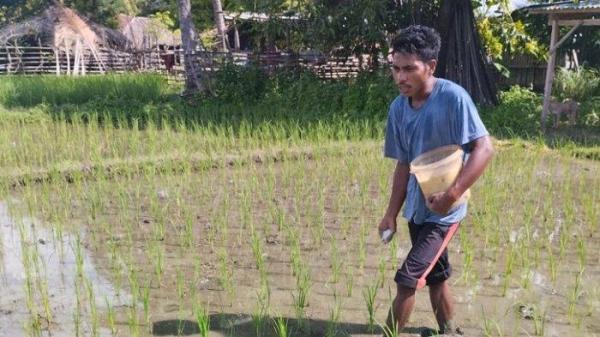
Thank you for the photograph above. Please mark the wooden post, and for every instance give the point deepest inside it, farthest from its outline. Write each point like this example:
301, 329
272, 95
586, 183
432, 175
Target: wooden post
68, 53
550, 70
82, 62
236, 36
57, 59
9, 59
77, 58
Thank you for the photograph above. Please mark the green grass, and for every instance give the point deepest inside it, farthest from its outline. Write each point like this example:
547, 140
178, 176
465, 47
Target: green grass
30, 91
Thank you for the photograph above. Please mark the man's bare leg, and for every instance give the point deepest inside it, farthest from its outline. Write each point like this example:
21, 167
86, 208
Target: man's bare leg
402, 306
443, 306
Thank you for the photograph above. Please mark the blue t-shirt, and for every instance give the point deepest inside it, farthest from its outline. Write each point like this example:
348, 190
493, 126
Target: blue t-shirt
447, 117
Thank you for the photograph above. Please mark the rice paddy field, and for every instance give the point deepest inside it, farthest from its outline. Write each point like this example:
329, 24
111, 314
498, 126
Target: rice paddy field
266, 227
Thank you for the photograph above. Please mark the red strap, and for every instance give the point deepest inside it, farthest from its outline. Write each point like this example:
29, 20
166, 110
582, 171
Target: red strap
421, 282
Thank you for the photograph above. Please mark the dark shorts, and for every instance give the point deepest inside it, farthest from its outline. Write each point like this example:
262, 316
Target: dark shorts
427, 262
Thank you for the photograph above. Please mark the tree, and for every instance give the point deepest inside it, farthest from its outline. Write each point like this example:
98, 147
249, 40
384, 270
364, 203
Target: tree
12, 11
220, 23
461, 58
193, 80
504, 33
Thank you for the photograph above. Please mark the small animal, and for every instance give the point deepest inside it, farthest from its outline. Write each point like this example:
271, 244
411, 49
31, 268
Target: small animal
569, 108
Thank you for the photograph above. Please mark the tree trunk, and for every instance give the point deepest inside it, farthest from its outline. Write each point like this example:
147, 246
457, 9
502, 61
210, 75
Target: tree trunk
193, 83
461, 57
220, 21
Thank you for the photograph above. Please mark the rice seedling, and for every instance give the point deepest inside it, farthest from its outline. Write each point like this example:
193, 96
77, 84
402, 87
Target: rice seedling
225, 273
280, 325
332, 328
295, 258
539, 321
146, 305
318, 217
349, 281
257, 250
188, 236
575, 294
156, 251
335, 262
369, 295
77, 319
581, 253
390, 328
181, 315
390, 331
303, 285
91, 298
491, 327
29, 257
552, 264
180, 285
259, 319
508, 269
134, 285
381, 269
78, 249
132, 321
362, 245
42, 285
110, 317
202, 318
563, 242
591, 212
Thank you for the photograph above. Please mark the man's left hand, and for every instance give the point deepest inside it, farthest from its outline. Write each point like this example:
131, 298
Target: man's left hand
440, 202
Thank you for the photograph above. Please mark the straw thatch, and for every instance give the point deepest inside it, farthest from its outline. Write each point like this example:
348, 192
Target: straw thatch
61, 27
68, 33
146, 33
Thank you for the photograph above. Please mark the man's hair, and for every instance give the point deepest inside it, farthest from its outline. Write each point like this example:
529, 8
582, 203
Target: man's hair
422, 41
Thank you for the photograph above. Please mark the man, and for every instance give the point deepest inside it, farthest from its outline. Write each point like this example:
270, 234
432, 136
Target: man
430, 112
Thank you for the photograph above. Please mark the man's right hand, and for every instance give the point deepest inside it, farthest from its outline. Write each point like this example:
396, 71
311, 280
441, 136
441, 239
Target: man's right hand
388, 222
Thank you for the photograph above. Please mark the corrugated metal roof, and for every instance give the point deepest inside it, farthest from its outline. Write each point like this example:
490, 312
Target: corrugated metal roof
565, 6
254, 16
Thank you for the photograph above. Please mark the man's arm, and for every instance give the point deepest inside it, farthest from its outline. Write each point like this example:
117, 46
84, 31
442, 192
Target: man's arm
400, 183
480, 156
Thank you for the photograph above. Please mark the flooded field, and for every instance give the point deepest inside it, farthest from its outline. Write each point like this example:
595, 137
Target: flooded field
290, 248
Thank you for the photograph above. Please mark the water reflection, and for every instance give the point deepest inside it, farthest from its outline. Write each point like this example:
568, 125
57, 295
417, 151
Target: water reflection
55, 273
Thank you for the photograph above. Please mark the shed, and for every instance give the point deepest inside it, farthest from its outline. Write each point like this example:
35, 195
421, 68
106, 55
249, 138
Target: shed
565, 13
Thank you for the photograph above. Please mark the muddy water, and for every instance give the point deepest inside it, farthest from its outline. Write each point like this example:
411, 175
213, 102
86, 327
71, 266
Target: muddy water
57, 267
213, 203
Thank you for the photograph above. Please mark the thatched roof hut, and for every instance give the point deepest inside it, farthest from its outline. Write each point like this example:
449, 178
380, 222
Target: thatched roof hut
66, 32
61, 27
146, 33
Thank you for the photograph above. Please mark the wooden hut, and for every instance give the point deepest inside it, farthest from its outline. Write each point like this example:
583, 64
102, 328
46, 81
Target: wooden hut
572, 14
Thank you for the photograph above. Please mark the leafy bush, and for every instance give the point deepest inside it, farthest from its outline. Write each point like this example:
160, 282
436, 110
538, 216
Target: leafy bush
240, 84
579, 85
590, 112
298, 92
517, 114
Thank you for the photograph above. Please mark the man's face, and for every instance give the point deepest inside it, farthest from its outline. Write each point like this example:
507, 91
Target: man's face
410, 73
